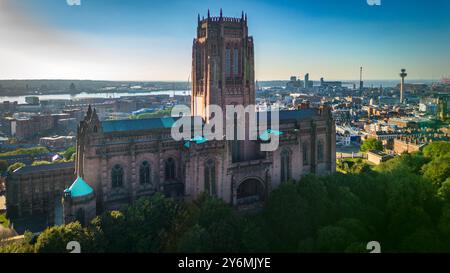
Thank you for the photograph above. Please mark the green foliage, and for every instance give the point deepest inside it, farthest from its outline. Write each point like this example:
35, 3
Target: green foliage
334, 239
437, 149
195, 240
3, 166
437, 167
141, 227
444, 191
371, 144
67, 154
437, 170
26, 151
15, 166
307, 201
403, 203
411, 163
4, 221
55, 239
110, 231
157, 114
215, 224
42, 162
19, 246
354, 166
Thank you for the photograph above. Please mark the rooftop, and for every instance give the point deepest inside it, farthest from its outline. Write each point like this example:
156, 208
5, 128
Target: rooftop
10, 157
79, 188
110, 126
44, 168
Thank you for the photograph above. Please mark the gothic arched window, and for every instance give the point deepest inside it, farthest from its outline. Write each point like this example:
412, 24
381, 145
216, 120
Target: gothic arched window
236, 62
228, 62
320, 151
305, 149
170, 169
145, 173
117, 176
285, 166
210, 177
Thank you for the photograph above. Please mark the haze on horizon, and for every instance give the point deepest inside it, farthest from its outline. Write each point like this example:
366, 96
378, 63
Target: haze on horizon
151, 40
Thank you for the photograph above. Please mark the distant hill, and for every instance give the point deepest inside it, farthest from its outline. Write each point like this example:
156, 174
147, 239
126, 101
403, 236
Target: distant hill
29, 87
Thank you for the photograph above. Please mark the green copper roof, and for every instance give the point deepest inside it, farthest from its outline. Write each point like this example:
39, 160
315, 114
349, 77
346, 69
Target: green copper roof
79, 188
137, 124
266, 134
110, 126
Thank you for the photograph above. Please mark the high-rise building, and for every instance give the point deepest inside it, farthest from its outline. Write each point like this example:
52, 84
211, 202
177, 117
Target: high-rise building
361, 82
307, 80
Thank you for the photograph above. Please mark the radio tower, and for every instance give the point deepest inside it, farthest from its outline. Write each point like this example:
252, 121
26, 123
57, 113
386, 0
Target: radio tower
361, 83
403, 75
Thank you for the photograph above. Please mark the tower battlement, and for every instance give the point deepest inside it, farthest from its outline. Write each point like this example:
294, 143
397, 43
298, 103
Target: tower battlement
218, 19
221, 18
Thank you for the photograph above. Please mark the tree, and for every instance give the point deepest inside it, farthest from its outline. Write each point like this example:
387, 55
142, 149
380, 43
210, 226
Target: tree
67, 154
437, 170
55, 239
3, 166
444, 191
15, 166
424, 240
195, 240
23, 151
22, 246
371, 144
437, 149
149, 222
157, 114
254, 239
110, 232
306, 200
334, 239
41, 162
221, 225
410, 163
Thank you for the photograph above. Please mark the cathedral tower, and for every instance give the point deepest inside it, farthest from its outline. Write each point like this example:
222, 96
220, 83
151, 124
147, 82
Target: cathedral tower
222, 64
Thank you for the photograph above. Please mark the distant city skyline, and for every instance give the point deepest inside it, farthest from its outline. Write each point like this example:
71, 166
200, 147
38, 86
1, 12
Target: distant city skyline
152, 40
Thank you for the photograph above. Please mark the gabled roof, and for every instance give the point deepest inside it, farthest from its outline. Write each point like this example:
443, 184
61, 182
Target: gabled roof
44, 168
79, 188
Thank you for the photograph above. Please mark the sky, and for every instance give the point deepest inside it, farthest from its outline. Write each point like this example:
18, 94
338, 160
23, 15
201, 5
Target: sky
150, 40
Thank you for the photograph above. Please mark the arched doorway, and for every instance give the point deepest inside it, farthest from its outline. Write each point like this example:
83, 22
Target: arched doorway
250, 191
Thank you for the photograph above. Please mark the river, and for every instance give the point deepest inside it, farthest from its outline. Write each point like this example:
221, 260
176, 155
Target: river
21, 99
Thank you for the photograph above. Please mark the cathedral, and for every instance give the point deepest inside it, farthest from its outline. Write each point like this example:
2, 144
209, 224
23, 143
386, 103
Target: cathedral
119, 161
